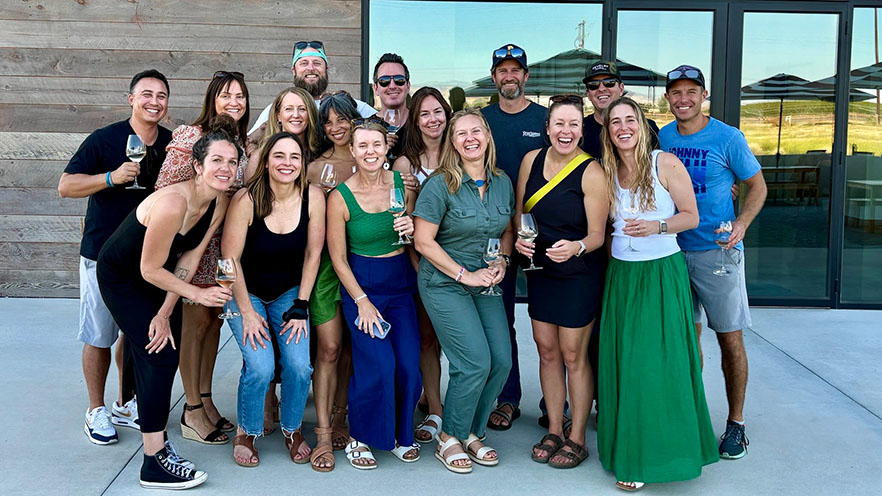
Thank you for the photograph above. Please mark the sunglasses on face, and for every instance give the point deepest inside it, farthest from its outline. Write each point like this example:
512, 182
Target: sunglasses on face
566, 99
398, 79
688, 73
607, 83
514, 52
223, 74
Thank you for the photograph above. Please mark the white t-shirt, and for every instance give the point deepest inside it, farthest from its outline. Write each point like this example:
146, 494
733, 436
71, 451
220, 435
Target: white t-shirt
363, 108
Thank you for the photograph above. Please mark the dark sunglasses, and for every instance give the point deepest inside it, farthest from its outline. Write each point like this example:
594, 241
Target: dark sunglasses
566, 99
300, 45
607, 83
223, 74
689, 73
514, 52
398, 79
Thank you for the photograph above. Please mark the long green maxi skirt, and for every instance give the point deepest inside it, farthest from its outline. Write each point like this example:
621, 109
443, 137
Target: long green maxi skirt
653, 422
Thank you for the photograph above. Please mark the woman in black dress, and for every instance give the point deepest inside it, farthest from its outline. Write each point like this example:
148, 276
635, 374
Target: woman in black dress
141, 277
564, 191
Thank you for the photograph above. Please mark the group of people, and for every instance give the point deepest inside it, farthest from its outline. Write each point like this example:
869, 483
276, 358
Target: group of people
351, 251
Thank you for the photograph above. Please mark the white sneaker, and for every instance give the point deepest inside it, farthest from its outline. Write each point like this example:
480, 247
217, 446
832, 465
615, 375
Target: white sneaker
126, 415
98, 428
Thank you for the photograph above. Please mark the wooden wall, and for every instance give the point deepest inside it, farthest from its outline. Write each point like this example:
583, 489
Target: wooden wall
65, 66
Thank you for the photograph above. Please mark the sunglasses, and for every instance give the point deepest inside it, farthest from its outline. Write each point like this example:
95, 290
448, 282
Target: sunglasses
301, 45
688, 73
503, 52
223, 74
367, 120
385, 81
566, 99
607, 83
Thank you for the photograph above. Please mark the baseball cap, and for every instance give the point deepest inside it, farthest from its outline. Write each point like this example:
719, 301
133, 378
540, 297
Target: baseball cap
601, 68
509, 51
686, 72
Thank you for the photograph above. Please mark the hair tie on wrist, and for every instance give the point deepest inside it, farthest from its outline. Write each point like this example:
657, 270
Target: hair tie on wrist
108, 181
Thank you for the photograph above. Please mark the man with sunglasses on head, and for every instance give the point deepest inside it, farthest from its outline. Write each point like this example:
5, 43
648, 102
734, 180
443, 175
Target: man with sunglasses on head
716, 155
310, 68
391, 85
603, 85
518, 126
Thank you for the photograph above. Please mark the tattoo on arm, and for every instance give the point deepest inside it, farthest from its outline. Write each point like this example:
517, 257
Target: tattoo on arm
181, 273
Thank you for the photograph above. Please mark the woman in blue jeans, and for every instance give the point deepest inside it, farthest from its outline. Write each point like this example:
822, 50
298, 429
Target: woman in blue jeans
274, 231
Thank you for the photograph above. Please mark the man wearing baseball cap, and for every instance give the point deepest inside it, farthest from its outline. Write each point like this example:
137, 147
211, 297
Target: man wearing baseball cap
603, 85
309, 65
716, 155
517, 126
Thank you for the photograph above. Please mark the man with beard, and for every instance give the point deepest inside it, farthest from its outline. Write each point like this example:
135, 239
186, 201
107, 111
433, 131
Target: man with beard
518, 126
310, 68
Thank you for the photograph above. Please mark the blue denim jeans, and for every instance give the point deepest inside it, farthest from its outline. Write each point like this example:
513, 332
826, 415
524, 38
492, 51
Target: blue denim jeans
259, 366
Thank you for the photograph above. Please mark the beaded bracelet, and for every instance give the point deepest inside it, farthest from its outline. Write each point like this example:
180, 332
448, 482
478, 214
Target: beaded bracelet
107, 179
461, 273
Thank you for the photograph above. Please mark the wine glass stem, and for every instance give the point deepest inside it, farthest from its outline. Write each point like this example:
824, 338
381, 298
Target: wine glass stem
722, 261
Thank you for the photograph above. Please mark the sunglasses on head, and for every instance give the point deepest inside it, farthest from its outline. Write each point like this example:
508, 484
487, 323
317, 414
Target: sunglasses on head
336, 94
301, 45
688, 73
223, 74
514, 52
566, 99
398, 79
361, 122
607, 83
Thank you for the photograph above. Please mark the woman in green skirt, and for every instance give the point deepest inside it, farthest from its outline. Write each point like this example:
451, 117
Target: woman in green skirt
653, 422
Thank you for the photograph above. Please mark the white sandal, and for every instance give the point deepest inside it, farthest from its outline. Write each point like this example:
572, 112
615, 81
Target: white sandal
479, 455
623, 485
428, 428
354, 452
400, 451
448, 460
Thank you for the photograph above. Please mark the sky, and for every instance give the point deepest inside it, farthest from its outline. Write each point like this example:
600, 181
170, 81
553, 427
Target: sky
450, 43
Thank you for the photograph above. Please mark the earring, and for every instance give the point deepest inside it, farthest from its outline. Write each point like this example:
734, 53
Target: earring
280, 124
353, 168
386, 165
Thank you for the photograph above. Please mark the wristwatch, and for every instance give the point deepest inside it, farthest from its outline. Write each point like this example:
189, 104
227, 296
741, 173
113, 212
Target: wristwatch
662, 226
582, 248
506, 259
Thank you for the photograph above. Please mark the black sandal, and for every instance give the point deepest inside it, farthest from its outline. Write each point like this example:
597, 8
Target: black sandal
574, 457
222, 423
548, 449
190, 433
509, 419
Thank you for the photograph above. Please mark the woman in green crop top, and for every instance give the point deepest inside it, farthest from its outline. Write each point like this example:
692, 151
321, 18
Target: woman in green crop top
379, 282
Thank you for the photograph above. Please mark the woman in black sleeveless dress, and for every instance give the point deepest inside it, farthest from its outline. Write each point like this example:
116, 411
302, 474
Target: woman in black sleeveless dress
141, 278
564, 295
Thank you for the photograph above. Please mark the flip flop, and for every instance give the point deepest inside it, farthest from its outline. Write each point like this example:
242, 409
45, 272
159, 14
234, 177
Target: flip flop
509, 419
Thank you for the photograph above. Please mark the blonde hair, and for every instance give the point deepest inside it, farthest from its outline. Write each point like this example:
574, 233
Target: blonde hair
312, 142
642, 183
450, 163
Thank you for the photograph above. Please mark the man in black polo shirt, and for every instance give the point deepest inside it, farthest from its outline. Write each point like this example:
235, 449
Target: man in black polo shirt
101, 171
518, 126
603, 85
392, 85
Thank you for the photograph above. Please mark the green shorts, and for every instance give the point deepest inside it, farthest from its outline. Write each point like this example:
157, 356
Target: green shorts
325, 296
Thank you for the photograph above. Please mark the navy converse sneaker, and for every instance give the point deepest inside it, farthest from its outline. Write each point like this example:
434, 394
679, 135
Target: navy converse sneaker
733, 443
160, 471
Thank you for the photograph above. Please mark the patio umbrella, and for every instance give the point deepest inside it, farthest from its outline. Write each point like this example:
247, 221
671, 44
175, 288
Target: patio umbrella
787, 86
563, 73
869, 78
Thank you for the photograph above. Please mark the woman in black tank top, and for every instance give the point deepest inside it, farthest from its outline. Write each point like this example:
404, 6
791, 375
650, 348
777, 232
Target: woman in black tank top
275, 231
176, 221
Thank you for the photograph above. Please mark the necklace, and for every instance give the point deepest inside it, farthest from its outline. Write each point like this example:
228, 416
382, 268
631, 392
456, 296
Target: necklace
480, 182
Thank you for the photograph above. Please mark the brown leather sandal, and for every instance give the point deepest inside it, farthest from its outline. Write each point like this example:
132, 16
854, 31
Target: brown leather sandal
548, 450
573, 458
340, 433
293, 444
248, 442
322, 451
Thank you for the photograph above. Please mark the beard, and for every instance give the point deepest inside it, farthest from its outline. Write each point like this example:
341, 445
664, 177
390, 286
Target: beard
510, 94
316, 89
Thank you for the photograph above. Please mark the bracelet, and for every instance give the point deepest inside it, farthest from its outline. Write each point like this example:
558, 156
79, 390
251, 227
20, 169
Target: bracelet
363, 295
461, 273
108, 181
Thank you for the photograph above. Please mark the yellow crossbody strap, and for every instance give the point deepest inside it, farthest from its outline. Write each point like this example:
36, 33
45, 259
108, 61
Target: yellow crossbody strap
560, 176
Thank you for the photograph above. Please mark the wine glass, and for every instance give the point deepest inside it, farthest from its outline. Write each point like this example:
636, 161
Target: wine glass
631, 211
391, 118
136, 151
328, 179
226, 276
722, 239
396, 208
528, 232
492, 258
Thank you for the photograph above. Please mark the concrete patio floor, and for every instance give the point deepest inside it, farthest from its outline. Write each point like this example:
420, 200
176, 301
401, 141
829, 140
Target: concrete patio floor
814, 419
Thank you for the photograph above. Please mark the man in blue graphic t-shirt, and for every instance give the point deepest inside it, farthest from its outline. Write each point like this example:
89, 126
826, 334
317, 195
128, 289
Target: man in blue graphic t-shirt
716, 155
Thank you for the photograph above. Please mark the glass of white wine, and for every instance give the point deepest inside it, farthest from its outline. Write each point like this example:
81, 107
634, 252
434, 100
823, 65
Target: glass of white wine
328, 179
136, 151
226, 276
528, 232
492, 258
722, 239
391, 118
631, 211
397, 209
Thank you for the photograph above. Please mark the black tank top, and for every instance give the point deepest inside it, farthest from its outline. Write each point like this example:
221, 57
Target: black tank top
273, 263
